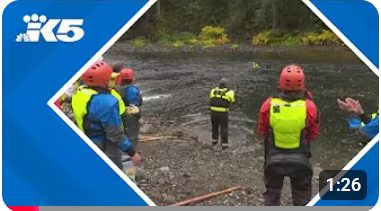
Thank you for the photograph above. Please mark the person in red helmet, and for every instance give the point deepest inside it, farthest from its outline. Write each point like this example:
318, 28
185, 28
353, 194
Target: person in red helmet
288, 122
97, 114
133, 100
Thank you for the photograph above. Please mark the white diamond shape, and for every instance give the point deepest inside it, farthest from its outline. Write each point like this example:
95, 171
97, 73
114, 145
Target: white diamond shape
126, 27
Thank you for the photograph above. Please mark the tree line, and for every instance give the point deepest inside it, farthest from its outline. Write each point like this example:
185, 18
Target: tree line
242, 19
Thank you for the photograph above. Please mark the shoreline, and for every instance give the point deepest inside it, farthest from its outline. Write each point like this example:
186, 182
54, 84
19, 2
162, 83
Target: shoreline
151, 48
313, 53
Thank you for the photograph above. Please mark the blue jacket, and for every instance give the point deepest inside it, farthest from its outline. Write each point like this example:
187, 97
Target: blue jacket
103, 115
371, 129
132, 96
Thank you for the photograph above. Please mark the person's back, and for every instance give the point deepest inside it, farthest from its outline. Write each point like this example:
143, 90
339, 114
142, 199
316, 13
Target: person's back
221, 99
133, 100
102, 110
288, 123
291, 124
130, 94
97, 113
98, 106
127, 90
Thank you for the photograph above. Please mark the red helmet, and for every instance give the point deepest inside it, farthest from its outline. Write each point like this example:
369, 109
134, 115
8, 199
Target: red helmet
292, 79
127, 74
98, 75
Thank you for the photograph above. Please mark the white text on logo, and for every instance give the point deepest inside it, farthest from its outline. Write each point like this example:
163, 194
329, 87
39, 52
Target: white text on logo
40, 25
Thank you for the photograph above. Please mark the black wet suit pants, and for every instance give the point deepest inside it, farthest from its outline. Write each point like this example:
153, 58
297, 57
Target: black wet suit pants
220, 120
301, 183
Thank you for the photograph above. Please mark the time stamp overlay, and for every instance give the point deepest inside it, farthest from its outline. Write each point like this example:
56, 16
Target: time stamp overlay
351, 186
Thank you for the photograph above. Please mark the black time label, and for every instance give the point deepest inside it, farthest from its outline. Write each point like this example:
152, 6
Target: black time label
343, 185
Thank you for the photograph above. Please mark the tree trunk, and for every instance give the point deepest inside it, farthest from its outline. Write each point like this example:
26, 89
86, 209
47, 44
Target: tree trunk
230, 9
158, 10
275, 14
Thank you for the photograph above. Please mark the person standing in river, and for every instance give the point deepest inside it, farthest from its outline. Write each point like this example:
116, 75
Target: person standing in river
288, 122
221, 99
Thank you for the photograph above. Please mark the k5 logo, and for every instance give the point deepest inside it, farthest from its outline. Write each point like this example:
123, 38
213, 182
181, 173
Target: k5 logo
69, 30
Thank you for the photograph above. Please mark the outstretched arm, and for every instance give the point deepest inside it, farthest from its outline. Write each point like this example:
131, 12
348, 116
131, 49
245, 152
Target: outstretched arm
113, 127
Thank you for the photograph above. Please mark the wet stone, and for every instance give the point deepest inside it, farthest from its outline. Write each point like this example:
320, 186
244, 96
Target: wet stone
164, 169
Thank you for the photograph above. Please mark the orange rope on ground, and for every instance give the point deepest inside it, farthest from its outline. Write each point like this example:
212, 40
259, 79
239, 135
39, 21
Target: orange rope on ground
200, 198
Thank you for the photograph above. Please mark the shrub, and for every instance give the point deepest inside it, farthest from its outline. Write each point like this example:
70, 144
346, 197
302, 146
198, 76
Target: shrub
223, 40
212, 32
178, 44
213, 36
208, 43
139, 42
324, 37
192, 41
209, 36
166, 39
178, 40
291, 41
263, 38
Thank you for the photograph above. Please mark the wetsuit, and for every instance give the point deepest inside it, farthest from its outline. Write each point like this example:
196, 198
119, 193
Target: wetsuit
288, 126
221, 100
97, 113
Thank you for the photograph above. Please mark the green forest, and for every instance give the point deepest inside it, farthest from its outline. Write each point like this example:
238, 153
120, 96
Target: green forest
211, 23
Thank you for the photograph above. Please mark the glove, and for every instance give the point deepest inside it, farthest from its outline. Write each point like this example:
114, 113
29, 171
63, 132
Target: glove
132, 110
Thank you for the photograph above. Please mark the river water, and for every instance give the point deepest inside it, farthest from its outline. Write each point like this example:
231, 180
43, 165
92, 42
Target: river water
176, 86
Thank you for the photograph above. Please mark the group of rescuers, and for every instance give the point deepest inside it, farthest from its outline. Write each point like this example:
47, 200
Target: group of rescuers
105, 105
288, 122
